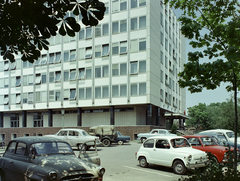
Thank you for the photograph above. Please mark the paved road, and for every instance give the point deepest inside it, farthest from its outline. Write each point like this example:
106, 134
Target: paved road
121, 165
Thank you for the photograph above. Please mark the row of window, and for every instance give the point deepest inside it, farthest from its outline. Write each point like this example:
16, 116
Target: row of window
119, 69
136, 89
169, 99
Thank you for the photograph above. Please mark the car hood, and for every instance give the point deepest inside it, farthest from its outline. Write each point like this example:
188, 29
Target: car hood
218, 148
189, 150
124, 137
64, 163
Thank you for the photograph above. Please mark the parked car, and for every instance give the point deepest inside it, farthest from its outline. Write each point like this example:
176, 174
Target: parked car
106, 133
208, 144
229, 134
46, 159
76, 137
220, 138
121, 138
171, 151
155, 132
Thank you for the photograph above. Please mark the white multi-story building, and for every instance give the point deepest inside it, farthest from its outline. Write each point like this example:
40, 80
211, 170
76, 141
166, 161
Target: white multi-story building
121, 72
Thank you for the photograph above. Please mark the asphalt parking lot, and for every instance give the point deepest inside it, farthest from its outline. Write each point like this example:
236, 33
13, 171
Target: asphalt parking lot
121, 165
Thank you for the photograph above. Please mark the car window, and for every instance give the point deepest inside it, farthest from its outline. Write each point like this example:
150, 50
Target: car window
73, 133
85, 133
148, 143
162, 144
230, 134
11, 148
21, 148
62, 133
208, 141
194, 141
162, 132
179, 143
154, 132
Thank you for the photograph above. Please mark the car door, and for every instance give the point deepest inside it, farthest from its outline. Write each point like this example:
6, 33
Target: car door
63, 134
73, 137
162, 152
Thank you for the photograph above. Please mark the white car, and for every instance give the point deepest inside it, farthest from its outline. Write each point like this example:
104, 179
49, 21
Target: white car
229, 134
76, 137
155, 132
171, 151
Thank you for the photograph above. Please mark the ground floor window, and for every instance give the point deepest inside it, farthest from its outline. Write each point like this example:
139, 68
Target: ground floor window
14, 120
38, 120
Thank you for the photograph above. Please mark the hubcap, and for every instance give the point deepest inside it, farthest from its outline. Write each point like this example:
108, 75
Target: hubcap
143, 162
179, 168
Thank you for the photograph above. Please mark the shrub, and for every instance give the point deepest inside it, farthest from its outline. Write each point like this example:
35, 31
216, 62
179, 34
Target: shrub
174, 129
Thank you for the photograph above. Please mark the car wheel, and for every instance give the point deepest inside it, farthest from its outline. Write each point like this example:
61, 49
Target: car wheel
2, 176
143, 162
179, 167
143, 139
120, 142
106, 142
214, 160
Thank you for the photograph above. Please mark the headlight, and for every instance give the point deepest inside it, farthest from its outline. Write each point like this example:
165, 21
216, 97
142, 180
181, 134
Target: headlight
101, 171
189, 157
53, 175
225, 155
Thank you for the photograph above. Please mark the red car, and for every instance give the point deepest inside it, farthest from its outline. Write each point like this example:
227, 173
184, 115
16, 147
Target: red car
208, 144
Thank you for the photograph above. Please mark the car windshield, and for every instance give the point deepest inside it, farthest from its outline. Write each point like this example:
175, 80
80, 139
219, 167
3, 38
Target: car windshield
222, 138
119, 134
179, 143
50, 148
208, 141
230, 134
85, 133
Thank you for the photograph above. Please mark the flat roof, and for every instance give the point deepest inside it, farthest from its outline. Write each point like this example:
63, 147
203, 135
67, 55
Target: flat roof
176, 116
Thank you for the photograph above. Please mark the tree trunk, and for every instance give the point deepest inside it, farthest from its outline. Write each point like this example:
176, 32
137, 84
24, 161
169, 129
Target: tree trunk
236, 123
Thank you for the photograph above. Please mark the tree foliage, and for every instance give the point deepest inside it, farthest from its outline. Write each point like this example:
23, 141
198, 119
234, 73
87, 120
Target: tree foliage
212, 26
27, 24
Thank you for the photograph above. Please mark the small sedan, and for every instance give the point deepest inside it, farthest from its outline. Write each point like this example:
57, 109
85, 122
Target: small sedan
45, 159
122, 139
171, 151
208, 144
76, 137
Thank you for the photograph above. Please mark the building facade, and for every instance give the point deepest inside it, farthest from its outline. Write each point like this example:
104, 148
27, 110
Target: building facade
122, 72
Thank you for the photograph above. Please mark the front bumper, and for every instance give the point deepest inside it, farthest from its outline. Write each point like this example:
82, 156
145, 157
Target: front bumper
197, 164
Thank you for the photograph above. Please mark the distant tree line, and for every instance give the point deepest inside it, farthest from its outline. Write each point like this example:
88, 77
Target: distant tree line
213, 116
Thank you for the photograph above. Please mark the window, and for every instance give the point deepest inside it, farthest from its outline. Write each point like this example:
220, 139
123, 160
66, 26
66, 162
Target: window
133, 89
115, 48
142, 88
133, 67
123, 90
38, 96
123, 47
44, 78
142, 22
38, 120
72, 74
44, 59
161, 38
134, 46
98, 52
72, 94
30, 97
105, 71
18, 81
98, 31
57, 76
123, 26
66, 75
88, 73
115, 6
105, 91
115, 69
44, 96
51, 77
105, 50
123, 5
134, 24
97, 92
97, 72
58, 57
88, 93
161, 57
51, 58
81, 93
115, 27
6, 82
123, 69
65, 94
149, 143
13, 65
161, 76
14, 120
162, 144
6, 99
142, 2
142, 66
105, 28
81, 34
38, 79
81, 73
115, 91
134, 3
82, 53
6, 65
88, 32
88, 53
72, 55
142, 44
25, 98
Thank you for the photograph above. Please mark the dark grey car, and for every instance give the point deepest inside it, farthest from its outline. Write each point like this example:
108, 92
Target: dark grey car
38, 158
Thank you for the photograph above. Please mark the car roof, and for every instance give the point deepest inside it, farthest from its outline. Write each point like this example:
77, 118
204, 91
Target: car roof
166, 137
222, 130
71, 129
34, 139
196, 136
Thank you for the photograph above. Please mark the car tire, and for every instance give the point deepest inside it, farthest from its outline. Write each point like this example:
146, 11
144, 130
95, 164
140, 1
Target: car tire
2, 175
179, 167
120, 142
143, 162
143, 139
106, 142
